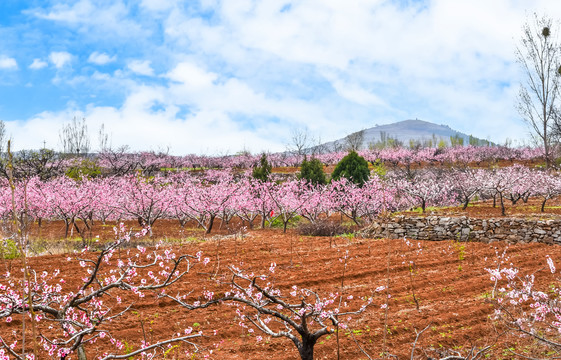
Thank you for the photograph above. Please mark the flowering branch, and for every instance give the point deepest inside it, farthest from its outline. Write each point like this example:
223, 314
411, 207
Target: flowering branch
81, 314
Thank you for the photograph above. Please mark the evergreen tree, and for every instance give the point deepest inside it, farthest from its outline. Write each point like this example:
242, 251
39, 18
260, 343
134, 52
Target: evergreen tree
312, 172
352, 167
262, 171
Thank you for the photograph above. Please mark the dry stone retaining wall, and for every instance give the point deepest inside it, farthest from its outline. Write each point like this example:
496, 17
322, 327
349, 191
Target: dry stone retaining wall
467, 229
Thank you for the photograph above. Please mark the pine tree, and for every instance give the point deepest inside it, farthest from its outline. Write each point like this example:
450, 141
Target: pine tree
353, 167
262, 171
312, 172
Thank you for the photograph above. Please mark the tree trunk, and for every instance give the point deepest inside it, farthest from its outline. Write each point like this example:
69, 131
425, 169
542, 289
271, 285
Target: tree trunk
67, 223
210, 223
81, 353
354, 217
80, 232
514, 199
502, 204
306, 348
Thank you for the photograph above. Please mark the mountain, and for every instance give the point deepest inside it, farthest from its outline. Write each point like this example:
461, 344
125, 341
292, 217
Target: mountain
406, 133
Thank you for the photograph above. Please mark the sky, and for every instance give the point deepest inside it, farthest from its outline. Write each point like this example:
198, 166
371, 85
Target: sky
219, 77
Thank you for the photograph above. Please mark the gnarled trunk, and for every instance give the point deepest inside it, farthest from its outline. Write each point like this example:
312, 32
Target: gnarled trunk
306, 347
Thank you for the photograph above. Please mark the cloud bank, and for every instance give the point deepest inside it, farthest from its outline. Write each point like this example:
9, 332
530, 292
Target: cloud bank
224, 76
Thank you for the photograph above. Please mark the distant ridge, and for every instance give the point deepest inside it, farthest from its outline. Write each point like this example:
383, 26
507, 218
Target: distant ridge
405, 133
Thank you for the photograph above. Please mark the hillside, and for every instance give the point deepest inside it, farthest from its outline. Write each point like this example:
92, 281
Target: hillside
406, 133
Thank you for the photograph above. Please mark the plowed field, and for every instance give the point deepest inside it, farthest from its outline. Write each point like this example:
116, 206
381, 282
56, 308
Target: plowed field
442, 285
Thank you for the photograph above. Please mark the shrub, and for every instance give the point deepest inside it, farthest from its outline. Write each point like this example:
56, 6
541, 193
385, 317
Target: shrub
87, 168
353, 167
323, 228
277, 223
312, 172
379, 168
262, 171
8, 249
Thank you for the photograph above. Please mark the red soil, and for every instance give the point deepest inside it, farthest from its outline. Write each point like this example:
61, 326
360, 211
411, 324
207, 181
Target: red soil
449, 282
485, 209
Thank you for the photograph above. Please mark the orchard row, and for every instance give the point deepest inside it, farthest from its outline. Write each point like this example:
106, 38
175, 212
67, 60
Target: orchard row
223, 195
118, 162
47, 164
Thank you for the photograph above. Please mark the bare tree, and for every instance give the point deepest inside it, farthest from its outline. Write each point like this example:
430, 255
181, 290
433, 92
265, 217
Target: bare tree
319, 147
353, 142
25, 164
537, 100
103, 138
300, 140
337, 146
118, 162
44, 163
2, 136
74, 137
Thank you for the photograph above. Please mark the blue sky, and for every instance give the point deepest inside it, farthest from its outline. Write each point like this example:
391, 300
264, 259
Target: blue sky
216, 77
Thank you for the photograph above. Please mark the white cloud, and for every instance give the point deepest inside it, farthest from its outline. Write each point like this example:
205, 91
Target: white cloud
141, 67
243, 73
439, 60
95, 18
204, 132
192, 75
38, 64
80, 11
158, 5
8, 63
355, 93
151, 113
60, 58
101, 58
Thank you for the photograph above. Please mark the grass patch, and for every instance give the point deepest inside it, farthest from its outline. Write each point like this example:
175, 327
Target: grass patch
277, 223
419, 210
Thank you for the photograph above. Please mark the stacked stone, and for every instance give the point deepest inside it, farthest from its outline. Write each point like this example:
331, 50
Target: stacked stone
467, 229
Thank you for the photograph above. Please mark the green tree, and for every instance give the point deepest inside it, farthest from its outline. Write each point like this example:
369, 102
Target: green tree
262, 171
312, 172
87, 168
352, 167
379, 168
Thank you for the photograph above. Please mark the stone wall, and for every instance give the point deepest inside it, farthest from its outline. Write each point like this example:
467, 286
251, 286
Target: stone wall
467, 229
